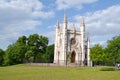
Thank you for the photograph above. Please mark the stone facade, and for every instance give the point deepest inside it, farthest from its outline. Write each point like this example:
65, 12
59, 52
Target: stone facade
70, 45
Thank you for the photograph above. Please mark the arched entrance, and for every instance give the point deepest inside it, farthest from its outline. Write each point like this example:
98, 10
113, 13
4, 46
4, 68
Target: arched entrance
73, 57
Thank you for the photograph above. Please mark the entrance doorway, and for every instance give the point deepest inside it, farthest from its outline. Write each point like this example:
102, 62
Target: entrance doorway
73, 57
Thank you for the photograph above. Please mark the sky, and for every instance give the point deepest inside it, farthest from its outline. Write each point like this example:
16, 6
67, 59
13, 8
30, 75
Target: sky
25, 17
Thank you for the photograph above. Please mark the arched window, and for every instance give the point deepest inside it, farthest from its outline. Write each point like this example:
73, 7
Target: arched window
73, 41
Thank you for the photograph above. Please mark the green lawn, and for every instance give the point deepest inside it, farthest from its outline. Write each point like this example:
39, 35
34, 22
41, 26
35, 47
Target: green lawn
27, 72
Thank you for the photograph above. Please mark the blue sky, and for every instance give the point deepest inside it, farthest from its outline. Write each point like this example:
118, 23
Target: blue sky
25, 17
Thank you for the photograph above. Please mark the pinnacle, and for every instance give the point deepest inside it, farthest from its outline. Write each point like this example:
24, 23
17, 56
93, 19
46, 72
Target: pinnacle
65, 18
88, 37
73, 27
82, 22
57, 24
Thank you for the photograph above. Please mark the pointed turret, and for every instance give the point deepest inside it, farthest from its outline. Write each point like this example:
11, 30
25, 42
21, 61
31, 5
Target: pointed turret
73, 30
64, 38
82, 39
64, 22
73, 27
65, 18
89, 63
56, 39
82, 22
88, 38
57, 25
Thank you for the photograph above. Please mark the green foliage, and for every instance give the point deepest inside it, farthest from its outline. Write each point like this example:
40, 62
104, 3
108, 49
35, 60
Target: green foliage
108, 56
68, 56
1, 56
29, 56
113, 50
50, 52
48, 55
25, 48
35, 46
21, 40
97, 54
15, 53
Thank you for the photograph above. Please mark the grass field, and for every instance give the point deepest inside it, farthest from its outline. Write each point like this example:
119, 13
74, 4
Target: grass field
27, 72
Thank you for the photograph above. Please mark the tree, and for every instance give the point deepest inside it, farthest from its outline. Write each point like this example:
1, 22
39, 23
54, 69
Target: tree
30, 48
15, 53
22, 40
113, 50
21, 44
97, 54
35, 46
9, 55
49, 55
1, 56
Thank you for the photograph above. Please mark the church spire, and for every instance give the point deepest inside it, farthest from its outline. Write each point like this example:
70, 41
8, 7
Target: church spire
82, 22
89, 63
64, 22
57, 24
82, 39
65, 18
88, 38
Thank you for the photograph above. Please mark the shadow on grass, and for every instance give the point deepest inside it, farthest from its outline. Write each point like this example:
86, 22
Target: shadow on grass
107, 69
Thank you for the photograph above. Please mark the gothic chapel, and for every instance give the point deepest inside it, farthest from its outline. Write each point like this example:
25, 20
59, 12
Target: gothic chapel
70, 45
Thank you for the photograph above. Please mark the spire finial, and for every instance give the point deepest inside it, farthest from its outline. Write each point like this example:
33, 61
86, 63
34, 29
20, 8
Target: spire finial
82, 22
88, 37
65, 18
57, 24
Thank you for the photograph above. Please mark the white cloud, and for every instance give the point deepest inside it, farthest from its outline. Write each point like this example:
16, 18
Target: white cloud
65, 4
103, 23
19, 16
51, 36
43, 15
22, 4
103, 43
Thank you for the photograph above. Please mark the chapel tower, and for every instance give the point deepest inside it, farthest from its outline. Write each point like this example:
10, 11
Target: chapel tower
71, 46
